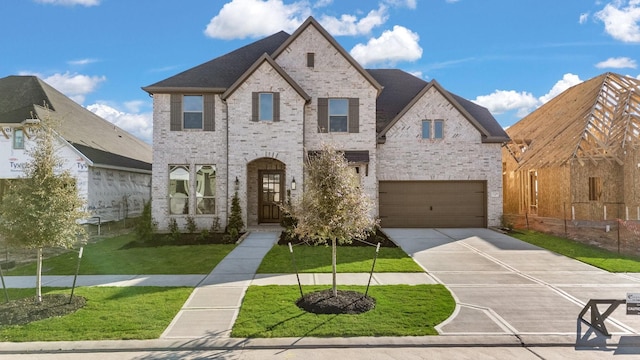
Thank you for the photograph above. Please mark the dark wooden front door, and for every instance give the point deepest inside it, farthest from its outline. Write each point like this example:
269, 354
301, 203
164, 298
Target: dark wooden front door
271, 188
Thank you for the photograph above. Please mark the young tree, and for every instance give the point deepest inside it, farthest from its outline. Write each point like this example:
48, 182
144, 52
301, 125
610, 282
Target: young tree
334, 207
42, 209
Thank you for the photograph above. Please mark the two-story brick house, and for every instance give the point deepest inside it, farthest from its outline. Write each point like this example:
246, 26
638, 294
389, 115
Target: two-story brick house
244, 122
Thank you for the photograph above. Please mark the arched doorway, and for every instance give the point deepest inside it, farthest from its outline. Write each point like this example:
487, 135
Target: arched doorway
266, 190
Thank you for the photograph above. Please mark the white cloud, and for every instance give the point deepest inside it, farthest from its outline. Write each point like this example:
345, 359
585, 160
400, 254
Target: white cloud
236, 19
350, 25
399, 44
501, 101
82, 61
138, 124
322, 3
568, 80
617, 63
411, 4
620, 18
74, 86
583, 18
70, 2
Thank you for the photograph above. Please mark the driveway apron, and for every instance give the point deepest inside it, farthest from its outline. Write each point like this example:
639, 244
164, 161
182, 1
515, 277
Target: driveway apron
506, 286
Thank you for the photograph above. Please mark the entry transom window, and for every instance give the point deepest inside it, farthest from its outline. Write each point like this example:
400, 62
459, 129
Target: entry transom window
205, 189
433, 129
338, 115
193, 109
18, 139
266, 107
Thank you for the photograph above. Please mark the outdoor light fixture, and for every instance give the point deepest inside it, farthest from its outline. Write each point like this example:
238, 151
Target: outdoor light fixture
293, 184
237, 184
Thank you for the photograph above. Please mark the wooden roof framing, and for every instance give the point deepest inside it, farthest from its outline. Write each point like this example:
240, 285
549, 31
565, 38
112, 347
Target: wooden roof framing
590, 122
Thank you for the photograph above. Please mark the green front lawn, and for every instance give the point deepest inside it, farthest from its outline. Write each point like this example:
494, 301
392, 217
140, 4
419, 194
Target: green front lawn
108, 257
401, 310
350, 259
592, 255
110, 313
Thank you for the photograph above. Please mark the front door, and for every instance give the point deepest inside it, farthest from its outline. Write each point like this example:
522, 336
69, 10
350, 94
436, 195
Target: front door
271, 188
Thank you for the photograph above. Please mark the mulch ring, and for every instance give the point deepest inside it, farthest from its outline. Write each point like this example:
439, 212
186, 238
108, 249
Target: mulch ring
26, 310
347, 302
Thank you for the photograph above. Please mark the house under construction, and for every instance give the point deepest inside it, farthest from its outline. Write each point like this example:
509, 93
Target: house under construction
577, 157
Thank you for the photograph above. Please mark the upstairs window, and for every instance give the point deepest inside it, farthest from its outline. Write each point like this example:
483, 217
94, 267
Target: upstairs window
266, 107
433, 129
18, 139
193, 109
338, 115
192, 112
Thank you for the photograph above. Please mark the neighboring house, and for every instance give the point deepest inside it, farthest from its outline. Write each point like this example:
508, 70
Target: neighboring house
577, 157
112, 168
246, 120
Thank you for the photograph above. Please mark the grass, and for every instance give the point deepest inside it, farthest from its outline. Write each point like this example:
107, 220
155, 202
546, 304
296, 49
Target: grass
401, 310
604, 259
107, 257
110, 313
317, 259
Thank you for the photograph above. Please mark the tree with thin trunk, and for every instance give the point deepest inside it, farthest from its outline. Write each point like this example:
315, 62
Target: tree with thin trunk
43, 208
334, 206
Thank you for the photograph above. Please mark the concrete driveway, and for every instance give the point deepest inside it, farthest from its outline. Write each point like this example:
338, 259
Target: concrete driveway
505, 286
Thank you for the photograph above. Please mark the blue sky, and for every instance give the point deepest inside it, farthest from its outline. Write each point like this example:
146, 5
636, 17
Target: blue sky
509, 56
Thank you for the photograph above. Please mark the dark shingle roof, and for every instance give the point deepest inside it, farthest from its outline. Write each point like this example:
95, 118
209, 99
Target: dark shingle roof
25, 97
401, 88
220, 73
100, 157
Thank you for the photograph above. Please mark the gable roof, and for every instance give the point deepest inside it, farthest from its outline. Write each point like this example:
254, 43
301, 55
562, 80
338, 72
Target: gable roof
27, 97
402, 90
590, 122
266, 58
312, 22
219, 74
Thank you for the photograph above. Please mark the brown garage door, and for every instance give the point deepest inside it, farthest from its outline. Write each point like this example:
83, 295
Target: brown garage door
432, 204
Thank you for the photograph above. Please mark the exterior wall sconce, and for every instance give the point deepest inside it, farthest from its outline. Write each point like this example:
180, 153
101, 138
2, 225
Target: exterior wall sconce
293, 184
236, 185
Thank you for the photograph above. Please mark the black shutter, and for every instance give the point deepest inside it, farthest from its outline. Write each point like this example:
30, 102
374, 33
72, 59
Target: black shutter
354, 115
276, 106
255, 105
176, 112
323, 115
209, 112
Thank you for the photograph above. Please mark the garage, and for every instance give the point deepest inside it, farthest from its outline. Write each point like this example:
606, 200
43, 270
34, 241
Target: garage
432, 204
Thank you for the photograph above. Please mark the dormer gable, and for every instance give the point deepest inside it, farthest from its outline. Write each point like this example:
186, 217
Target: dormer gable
265, 58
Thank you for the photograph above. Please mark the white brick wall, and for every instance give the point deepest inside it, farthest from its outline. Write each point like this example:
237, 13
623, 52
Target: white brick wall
333, 76
191, 148
459, 156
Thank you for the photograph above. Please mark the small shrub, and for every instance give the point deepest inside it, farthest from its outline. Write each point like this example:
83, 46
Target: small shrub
203, 237
235, 224
191, 226
174, 229
145, 226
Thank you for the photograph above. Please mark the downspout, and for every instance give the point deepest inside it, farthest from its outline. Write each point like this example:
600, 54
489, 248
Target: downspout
226, 198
